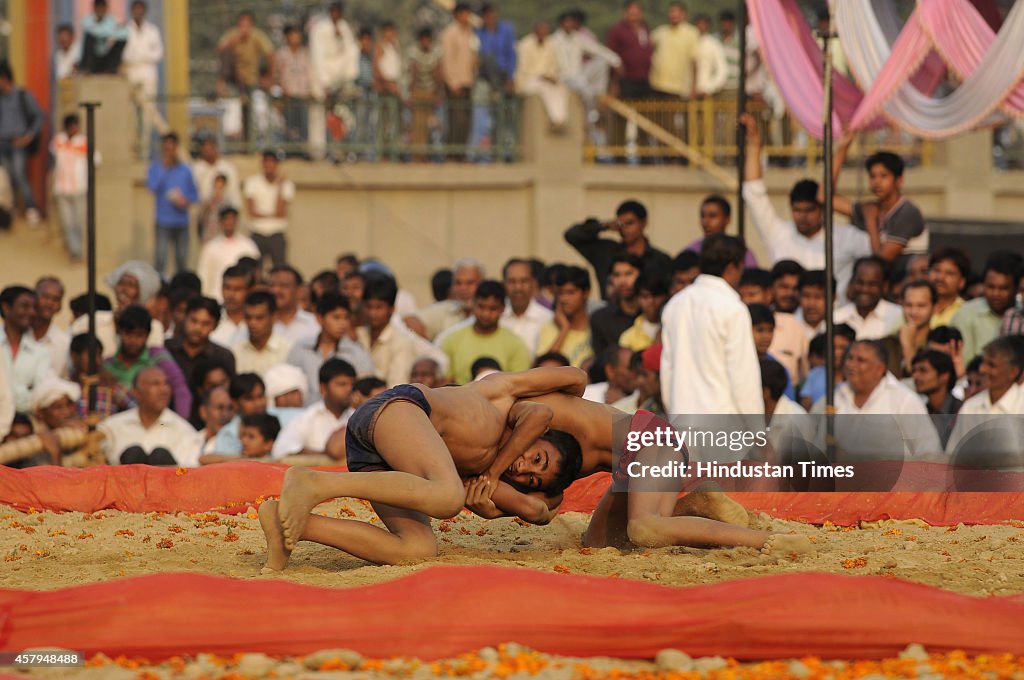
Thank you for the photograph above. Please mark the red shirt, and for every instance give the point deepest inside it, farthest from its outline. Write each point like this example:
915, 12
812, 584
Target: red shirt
633, 47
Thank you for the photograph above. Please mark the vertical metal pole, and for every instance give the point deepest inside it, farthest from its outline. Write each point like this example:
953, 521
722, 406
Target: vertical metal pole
90, 222
741, 107
830, 376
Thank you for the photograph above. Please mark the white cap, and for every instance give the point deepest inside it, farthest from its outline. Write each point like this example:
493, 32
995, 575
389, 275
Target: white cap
282, 379
50, 390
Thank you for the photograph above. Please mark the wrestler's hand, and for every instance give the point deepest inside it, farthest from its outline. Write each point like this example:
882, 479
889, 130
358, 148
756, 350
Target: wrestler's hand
478, 498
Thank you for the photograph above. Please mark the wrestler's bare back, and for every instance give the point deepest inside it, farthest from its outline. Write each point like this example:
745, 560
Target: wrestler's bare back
472, 420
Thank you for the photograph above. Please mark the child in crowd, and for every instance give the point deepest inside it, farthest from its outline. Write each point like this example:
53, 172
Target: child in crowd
366, 388
763, 321
258, 432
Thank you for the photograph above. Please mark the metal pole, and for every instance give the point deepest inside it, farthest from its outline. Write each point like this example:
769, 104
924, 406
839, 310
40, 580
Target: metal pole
830, 377
741, 107
90, 222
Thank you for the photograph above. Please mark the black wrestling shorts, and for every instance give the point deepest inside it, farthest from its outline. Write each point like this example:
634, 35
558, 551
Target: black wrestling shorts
360, 453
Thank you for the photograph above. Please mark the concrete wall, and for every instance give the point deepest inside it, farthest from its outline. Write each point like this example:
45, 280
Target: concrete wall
421, 217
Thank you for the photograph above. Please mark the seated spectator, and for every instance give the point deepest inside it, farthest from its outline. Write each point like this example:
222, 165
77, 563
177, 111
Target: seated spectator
366, 388
103, 41
483, 367
111, 396
979, 319
27, 362
426, 371
323, 283
763, 325
918, 301
523, 315
651, 295
134, 326
812, 301
223, 251
485, 336
49, 299
934, 379
257, 433
52, 407
869, 314
775, 381
786, 286
285, 387
263, 348
333, 341
948, 271
715, 215
215, 412
615, 366
202, 314
432, 320
569, 333
308, 433
755, 287
234, 288
150, 434
685, 270
615, 318
291, 321
552, 359
814, 386
1002, 365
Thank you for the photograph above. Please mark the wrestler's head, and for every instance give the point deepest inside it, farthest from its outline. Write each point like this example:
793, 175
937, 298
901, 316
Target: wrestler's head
550, 465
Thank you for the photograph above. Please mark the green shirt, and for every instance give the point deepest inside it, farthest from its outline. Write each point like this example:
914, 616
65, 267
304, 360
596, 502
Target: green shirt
465, 346
978, 324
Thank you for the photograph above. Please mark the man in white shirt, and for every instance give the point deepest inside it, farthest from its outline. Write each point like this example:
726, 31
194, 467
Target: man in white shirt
67, 54
899, 425
291, 321
263, 348
537, 73
334, 54
223, 251
49, 299
803, 238
1002, 365
151, 434
143, 52
588, 78
267, 198
209, 166
234, 288
6, 401
869, 314
309, 432
27, 362
712, 69
523, 315
709, 363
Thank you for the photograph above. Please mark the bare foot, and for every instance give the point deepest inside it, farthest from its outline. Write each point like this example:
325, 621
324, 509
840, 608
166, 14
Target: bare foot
298, 498
277, 553
787, 545
712, 504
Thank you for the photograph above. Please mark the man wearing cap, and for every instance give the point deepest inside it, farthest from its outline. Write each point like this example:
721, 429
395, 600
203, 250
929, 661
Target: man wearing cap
285, 387
53, 406
223, 251
268, 196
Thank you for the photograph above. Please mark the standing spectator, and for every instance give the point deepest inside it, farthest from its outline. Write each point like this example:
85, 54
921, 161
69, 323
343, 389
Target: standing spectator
934, 379
134, 325
223, 251
293, 73
495, 75
67, 54
712, 69
150, 434
291, 321
103, 40
387, 73
523, 315
174, 190
70, 182
569, 333
709, 363
335, 57
425, 83
459, 48
869, 313
979, 319
537, 73
268, 195
242, 51
234, 288
588, 78
674, 62
26, 362
208, 222
264, 348
209, 166
49, 299
631, 40
366, 119
485, 337
21, 121
616, 317
630, 222
143, 52
801, 239
948, 271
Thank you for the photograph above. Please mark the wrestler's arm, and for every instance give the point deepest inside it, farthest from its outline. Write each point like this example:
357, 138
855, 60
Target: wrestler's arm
507, 501
539, 381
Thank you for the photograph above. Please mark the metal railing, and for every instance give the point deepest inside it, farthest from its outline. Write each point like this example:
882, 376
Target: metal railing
362, 127
708, 126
